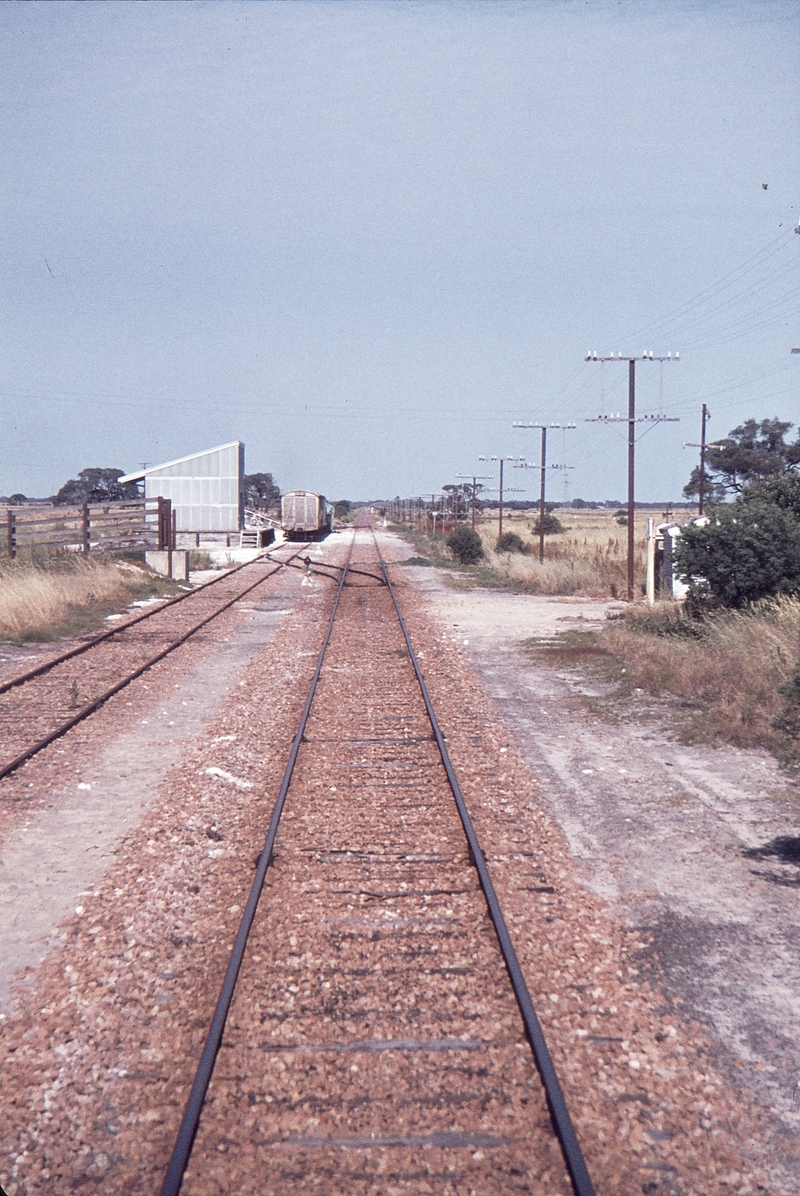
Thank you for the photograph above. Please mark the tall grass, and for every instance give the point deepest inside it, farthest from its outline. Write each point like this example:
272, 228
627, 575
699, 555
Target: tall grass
589, 559
728, 679
65, 594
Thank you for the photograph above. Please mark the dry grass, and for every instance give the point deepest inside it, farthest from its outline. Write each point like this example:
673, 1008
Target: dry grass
66, 594
727, 680
590, 558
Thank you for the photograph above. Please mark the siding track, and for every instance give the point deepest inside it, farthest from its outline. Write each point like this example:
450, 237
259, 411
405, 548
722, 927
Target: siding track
367, 1038
41, 705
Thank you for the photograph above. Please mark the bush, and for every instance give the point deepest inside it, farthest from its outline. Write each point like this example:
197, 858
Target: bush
747, 551
552, 526
511, 542
465, 545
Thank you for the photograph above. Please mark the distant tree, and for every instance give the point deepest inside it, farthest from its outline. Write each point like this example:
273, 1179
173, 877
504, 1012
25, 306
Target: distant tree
753, 452
96, 486
461, 500
16, 500
260, 491
342, 508
465, 545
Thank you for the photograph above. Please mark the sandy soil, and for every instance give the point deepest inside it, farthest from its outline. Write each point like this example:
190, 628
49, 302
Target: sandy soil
695, 847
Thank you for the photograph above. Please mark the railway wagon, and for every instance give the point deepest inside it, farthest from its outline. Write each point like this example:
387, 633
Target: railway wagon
305, 515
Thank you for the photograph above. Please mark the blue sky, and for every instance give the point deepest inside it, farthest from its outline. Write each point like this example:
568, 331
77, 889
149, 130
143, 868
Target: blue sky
365, 237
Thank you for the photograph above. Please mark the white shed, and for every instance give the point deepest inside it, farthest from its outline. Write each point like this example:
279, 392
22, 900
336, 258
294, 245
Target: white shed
206, 489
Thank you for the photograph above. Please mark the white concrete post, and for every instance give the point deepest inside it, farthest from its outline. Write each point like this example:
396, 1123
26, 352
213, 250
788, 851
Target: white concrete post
650, 584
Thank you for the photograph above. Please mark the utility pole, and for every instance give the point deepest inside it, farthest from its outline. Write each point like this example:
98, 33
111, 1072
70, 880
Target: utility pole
476, 477
703, 446
508, 489
542, 469
703, 422
631, 422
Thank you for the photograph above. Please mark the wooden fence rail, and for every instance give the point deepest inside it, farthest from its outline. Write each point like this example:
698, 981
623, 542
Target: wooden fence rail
91, 527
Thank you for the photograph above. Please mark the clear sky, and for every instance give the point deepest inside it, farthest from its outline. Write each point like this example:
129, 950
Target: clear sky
366, 236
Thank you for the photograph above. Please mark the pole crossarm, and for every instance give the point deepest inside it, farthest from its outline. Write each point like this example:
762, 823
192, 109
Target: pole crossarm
518, 424
639, 419
632, 357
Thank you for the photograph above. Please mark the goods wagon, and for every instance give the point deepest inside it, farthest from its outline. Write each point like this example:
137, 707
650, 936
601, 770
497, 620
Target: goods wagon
305, 515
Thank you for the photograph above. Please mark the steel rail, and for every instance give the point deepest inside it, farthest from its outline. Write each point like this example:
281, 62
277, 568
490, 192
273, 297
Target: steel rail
559, 1113
194, 1105
90, 707
148, 614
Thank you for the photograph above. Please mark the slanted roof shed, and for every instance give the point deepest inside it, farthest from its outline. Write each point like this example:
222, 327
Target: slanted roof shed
206, 489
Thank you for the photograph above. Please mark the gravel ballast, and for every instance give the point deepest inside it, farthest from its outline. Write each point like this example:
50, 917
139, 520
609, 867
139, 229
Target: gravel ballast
99, 1053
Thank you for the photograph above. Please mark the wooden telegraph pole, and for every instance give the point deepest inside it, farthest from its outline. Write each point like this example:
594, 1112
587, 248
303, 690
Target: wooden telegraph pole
542, 467
631, 421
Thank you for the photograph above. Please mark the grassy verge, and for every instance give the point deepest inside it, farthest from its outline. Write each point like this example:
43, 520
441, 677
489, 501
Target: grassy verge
65, 594
724, 681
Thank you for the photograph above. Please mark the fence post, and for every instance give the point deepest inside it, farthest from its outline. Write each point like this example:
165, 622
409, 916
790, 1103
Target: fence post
11, 529
85, 527
164, 524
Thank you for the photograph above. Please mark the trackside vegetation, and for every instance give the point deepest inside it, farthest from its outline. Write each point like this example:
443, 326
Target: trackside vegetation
66, 594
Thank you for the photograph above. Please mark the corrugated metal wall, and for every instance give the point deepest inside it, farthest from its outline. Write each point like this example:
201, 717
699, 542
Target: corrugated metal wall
205, 489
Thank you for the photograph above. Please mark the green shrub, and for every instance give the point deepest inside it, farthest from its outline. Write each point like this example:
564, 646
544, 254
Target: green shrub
511, 542
552, 526
747, 551
465, 545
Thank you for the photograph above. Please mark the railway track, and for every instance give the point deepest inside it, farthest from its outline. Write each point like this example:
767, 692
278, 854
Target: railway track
44, 703
374, 1032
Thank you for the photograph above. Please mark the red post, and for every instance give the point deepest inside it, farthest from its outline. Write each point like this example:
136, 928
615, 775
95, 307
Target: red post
85, 527
11, 531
